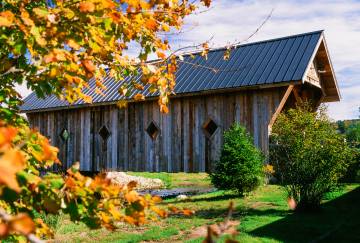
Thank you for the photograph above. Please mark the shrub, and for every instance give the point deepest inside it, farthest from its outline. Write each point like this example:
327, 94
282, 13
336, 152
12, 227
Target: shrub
309, 155
240, 167
353, 138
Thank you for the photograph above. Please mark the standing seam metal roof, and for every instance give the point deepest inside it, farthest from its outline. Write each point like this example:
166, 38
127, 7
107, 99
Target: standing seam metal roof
259, 63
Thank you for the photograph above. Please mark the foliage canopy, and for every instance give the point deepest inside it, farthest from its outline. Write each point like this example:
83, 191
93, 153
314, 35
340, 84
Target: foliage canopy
54, 47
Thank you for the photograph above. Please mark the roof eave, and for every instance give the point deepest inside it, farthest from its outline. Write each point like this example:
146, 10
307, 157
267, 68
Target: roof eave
188, 94
327, 98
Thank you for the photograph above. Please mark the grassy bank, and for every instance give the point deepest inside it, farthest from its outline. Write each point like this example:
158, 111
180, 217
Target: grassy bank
262, 216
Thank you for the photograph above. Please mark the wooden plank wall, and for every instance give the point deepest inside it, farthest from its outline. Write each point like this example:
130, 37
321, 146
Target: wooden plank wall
181, 144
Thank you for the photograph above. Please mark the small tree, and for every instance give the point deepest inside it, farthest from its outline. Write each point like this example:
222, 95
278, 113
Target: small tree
309, 155
240, 167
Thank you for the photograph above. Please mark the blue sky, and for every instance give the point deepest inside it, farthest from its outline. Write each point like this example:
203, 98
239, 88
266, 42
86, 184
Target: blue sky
234, 20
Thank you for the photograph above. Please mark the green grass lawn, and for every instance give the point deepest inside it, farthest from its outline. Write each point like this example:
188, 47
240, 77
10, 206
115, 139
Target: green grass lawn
263, 216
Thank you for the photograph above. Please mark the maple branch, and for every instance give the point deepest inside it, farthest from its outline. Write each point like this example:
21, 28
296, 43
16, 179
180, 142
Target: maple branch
7, 218
235, 43
201, 66
11, 70
257, 30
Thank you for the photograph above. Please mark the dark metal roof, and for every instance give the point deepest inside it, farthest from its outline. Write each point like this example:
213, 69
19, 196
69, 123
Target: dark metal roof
267, 62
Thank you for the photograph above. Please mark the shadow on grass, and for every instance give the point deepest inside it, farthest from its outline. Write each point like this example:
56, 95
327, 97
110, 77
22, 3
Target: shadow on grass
338, 221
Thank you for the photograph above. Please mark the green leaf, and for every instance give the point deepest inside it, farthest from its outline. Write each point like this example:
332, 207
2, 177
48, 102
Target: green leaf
56, 183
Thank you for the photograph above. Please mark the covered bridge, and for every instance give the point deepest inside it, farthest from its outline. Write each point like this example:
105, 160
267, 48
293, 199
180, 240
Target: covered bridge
258, 81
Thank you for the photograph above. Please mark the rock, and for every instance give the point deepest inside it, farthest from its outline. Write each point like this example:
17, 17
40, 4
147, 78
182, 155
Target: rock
121, 178
182, 197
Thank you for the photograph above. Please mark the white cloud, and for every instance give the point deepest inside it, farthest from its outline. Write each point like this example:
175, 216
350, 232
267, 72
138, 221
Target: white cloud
231, 20
23, 90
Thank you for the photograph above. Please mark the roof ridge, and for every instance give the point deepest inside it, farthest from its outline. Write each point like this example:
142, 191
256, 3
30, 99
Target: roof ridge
252, 43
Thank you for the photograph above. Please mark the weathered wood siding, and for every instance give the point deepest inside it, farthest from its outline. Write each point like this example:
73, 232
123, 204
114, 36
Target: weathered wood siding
181, 144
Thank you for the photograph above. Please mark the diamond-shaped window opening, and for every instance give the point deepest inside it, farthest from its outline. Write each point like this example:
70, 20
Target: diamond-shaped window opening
210, 128
64, 135
104, 133
153, 130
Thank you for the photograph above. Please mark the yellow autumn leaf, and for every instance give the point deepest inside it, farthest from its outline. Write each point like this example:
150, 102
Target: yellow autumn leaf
73, 44
6, 18
165, 27
41, 12
132, 196
115, 213
87, 99
122, 104
25, 17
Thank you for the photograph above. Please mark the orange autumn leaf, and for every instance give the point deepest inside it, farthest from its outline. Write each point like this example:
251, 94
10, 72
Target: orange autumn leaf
11, 162
187, 212
139, 97
7, 134
49, 152
6, 18
206, 2
162, 213
22, 224
156, 199
164, 109
89, 66
131, 185
161, 55
129, 220
86, 7
70, 182
173, 209
132, 196
151, 24
291, 203
4, 230
51, 57
138, 86
108, 4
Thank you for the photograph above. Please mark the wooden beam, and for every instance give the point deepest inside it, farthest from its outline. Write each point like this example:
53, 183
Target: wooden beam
280, 107
297, 96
